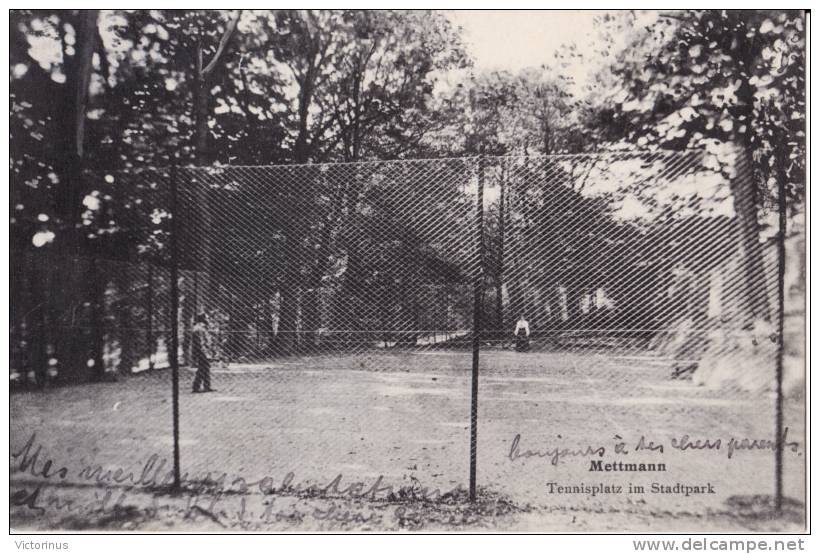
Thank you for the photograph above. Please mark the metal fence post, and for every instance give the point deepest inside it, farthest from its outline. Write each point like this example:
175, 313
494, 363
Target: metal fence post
173, 355
502, 223
781, 299
477, 313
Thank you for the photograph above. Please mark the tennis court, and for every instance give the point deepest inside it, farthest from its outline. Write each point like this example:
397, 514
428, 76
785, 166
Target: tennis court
339, 307
404, 416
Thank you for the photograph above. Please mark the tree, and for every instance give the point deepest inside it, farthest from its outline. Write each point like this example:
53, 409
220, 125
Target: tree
361, 85
499, 113
201, 40
707, 78
703, 77
50, 97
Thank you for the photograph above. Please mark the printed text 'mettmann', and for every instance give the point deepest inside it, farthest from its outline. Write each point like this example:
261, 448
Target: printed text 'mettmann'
554, 454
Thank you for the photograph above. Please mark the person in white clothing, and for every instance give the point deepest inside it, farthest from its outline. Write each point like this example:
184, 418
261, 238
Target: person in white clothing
522, 334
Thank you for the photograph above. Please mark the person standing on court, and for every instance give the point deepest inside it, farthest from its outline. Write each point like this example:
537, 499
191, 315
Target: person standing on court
522, 335
201, 349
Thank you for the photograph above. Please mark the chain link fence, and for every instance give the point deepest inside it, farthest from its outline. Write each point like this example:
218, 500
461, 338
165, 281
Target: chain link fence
337, 309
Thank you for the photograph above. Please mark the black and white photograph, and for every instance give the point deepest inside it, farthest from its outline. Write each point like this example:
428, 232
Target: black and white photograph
388, 271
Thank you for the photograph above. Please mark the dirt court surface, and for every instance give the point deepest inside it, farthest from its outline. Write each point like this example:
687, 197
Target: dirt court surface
378, 434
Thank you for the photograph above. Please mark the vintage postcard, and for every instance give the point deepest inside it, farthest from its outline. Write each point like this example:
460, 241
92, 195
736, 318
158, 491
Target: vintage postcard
408, 271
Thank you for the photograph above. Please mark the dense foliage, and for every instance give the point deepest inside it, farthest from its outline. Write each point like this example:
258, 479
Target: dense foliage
100, 97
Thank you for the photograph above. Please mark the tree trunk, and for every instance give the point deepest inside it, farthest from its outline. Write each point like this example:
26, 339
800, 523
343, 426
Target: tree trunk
745, 202
199, 238
71, 289
200, 116
320, 267
288, 340
149, 309
574, 294
98, 284
499, 282
124, 309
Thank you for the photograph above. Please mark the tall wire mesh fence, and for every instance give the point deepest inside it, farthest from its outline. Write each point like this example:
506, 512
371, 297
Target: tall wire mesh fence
312, 259
336, 310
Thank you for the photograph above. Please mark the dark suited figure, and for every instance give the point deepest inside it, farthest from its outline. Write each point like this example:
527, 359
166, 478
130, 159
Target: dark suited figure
201, 350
